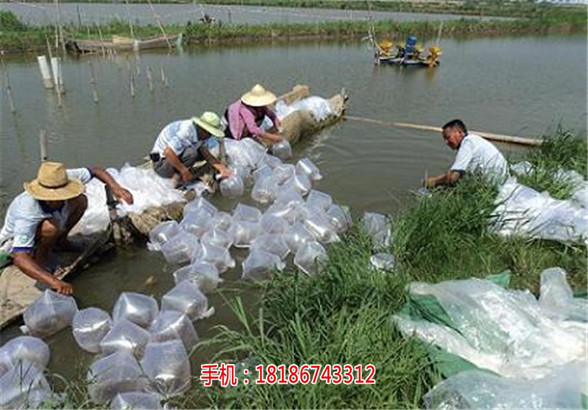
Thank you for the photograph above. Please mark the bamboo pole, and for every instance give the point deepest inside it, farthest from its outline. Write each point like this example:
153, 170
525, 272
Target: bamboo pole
93, 84
101, 42
150, 79
43, 145
129, 18
156, 16
132, 86
7, 84
164, 78
487, 135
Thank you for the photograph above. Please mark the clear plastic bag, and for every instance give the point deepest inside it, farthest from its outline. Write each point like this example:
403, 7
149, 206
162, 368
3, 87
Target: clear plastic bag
125, 336
262, 172
114, 374
232, 187
310, 256
378, 228
300, 182
273, 224
289, 196
181, 248
161, 234
218, 256
217, 237
200, 205
246, 213
260, 264
135, 307
204, 274
222, 221
196, 223
89, 326
557, 296
167, 366
136, 401
320, 200
319, 225
283, 172
339, 218
270, 160
244, 232
265, 189
296, 236
24, 349
49, 314
282, 150
23, 386
172, 325
383, 261
272, 243
306, 167
187, 298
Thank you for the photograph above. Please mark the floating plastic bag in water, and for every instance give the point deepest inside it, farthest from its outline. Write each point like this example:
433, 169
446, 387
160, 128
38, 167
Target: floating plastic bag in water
24, 349
24, 386
232, 187
557, 296
273, 224
196, 223
282, 149
246, 213
49, 314
136, 307
167, 366
306, 167
265, 189
319, 200
244, 232
222, 221
125, 336
310, 256
217, 237
299, 182
89, 327
136, 401
283, 172
218, 256
378, 228
260, 264
181, 248
203, 274
273, 243
475, 389
383, 261
296, 236
187, 298
161, 234
200, 205
114, 374
172, 325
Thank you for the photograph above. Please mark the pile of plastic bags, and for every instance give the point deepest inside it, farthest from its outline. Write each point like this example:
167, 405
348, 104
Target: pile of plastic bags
320, 107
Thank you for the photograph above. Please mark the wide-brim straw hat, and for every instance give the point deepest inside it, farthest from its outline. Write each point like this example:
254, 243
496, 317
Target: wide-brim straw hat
258, 97
211, 123
53, 184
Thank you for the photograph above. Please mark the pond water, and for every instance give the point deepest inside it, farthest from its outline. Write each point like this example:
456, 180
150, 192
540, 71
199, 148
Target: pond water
501, 85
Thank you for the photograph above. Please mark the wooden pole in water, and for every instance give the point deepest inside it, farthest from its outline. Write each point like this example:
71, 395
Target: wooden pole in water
101, 42
43, 145
132, 86
487, 135
45, 72
93, 84
7, 84
150, 79
164, 78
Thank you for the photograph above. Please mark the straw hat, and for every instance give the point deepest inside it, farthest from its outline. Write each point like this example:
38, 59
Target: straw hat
258, 97
53, 184
211, 123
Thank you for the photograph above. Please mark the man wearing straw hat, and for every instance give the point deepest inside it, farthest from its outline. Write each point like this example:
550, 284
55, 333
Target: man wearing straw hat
244, 118
181, 143
39, 219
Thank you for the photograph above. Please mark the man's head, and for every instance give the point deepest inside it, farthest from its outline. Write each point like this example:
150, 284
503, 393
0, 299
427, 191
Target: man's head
453, 133
208, 124
53, 186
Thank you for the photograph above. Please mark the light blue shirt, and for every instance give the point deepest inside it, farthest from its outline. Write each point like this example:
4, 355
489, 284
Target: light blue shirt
180, 135
25, 213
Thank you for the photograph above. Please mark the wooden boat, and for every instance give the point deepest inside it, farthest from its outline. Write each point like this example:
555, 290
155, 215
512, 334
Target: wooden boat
18, 291
122, 44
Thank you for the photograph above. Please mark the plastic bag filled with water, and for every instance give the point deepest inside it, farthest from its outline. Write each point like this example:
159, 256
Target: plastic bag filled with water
24, 349
296, 236
319, 225
222, 221
196, 223
24, 386
218, 256
265, 189
557, 296
306, 167
232, 187
136, 307
136, 401
260, 265
383, 261
181, 248
248, 213
174, 325
340, 219
318, 199
283, 172
272, 243
270, 161
282, 150
162, 233
114, 374
217, 237
273, 224
299, 182
200, 205
310, 256
289, 196
89, 327
378, 228
204, 274
125, 336
187, 298
262, 172
167, 366
49, 314
244, 232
